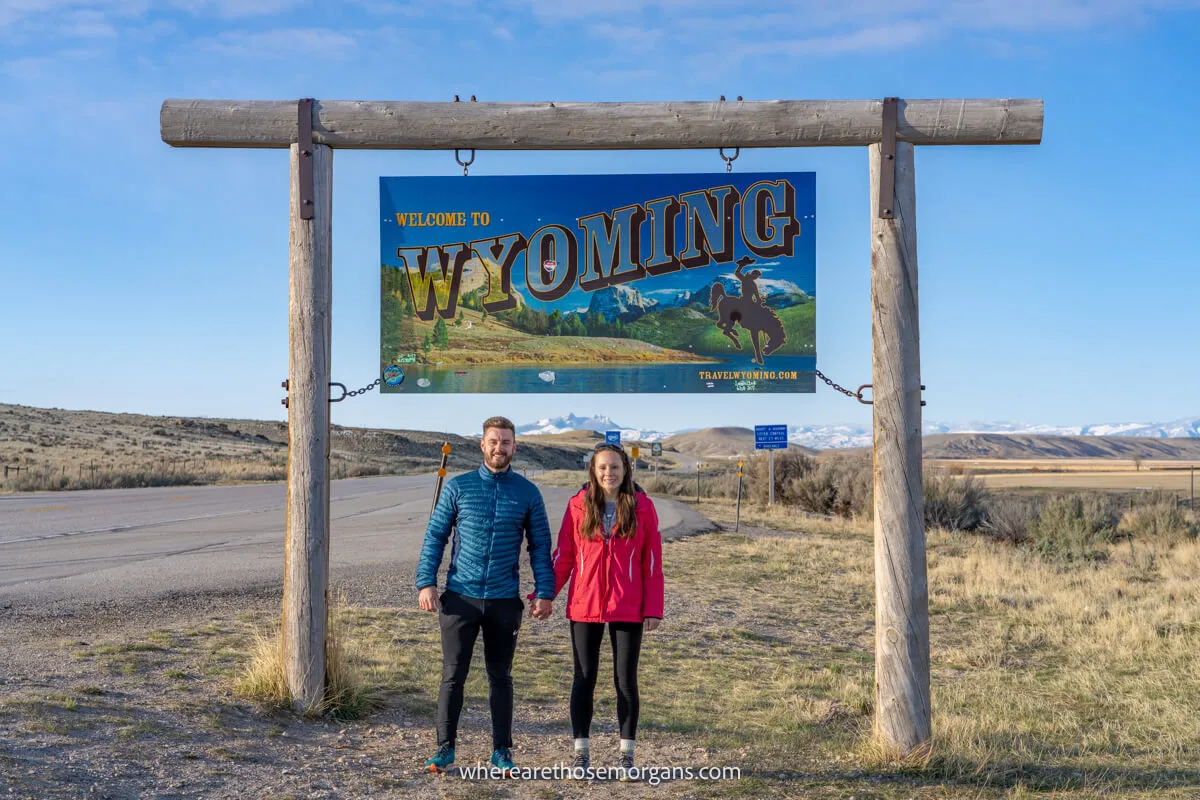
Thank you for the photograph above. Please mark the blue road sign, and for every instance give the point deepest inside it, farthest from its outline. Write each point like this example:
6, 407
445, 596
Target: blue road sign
770, 437
612, 437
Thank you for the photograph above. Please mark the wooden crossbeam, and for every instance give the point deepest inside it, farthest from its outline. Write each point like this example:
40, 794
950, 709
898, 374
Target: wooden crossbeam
368, 125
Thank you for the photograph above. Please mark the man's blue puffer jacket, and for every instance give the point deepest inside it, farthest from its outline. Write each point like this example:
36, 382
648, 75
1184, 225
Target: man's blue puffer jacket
489, 513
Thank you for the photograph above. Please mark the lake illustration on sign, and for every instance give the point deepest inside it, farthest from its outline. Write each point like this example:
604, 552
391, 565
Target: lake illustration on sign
599, 283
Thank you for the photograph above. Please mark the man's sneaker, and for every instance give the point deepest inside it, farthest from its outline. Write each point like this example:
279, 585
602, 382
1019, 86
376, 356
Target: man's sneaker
625, 769
442, 760
581, 767
502, 758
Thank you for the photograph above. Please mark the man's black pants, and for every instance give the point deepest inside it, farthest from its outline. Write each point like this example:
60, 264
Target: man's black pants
461, 619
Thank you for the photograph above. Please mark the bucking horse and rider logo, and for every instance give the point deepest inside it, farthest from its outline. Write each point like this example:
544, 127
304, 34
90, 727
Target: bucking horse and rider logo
749, 311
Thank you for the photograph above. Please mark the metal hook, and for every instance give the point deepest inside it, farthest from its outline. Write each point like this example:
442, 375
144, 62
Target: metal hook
467, 163
729, 159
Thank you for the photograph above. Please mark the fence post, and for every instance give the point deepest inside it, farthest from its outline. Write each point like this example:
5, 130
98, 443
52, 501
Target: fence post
697, 483
737, 522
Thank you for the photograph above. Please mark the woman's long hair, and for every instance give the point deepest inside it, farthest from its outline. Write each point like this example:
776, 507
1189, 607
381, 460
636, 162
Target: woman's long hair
593, 502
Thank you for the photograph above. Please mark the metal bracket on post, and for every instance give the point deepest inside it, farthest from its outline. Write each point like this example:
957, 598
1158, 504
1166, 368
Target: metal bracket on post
887, 147
305, 141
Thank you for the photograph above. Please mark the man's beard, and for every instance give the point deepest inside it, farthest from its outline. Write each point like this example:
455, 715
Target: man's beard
503, 459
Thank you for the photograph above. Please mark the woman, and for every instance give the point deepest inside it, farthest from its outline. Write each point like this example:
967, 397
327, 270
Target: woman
610, 548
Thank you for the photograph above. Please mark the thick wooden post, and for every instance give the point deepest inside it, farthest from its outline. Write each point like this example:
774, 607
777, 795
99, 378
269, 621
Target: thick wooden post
902, 718
306, 559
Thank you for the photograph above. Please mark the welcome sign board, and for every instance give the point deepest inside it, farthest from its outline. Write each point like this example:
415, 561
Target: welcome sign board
598, 283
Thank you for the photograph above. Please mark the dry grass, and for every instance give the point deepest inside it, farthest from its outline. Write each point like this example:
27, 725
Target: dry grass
1049, 680
1044, 677
348, 694
1175, 480
993, 466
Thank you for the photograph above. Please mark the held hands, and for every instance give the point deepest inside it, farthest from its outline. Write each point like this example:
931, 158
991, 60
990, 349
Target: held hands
541, 609
428, 599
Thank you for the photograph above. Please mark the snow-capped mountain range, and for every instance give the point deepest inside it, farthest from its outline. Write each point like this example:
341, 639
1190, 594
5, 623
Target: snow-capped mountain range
828, 437
597, 423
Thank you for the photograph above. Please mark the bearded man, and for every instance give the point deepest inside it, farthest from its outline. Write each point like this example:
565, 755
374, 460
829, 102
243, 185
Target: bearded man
489, 512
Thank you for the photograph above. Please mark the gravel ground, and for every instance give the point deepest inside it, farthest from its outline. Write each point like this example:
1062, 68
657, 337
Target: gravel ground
133, 700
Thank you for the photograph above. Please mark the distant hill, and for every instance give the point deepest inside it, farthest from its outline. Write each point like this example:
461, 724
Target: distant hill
112, 450
843, 435
717, 443
588, 438
1011, 445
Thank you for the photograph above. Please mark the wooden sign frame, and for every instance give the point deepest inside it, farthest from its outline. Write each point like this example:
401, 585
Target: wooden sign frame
889, 129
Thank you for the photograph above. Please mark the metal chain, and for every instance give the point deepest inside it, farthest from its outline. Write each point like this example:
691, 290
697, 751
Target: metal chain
737, 151
353, 392
855, 395
366, 388
286, 384
465, 164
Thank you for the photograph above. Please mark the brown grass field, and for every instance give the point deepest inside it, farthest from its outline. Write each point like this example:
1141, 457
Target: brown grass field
1097, 474
1048, 681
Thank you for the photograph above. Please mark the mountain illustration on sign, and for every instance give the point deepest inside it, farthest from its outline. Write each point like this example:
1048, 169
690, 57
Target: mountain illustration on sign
749, 311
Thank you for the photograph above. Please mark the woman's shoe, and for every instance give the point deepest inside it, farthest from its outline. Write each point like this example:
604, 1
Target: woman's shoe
625, 769
581, 767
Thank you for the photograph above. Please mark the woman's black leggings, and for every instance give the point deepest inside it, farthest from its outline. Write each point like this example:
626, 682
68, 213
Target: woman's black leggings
626, 646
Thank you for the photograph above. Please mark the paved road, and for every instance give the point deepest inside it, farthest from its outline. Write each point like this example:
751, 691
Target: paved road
121, 545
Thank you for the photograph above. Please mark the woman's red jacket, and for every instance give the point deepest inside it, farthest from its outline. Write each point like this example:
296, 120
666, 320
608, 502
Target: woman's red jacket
618, 580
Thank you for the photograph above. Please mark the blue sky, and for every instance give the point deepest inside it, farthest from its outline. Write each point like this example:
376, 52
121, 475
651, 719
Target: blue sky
1058, 282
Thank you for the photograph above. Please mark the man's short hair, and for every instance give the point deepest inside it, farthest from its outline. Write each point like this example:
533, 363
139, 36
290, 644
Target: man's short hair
503, 423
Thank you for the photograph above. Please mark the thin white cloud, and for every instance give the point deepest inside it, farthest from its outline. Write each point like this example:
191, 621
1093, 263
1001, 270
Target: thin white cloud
622, 76
281, 42
88, 24
384, 8
630, 37
58, 14
832, 27
230, 9
875, 39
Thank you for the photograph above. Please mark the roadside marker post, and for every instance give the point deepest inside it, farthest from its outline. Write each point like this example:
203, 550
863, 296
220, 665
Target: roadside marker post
441, 477
737, 523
